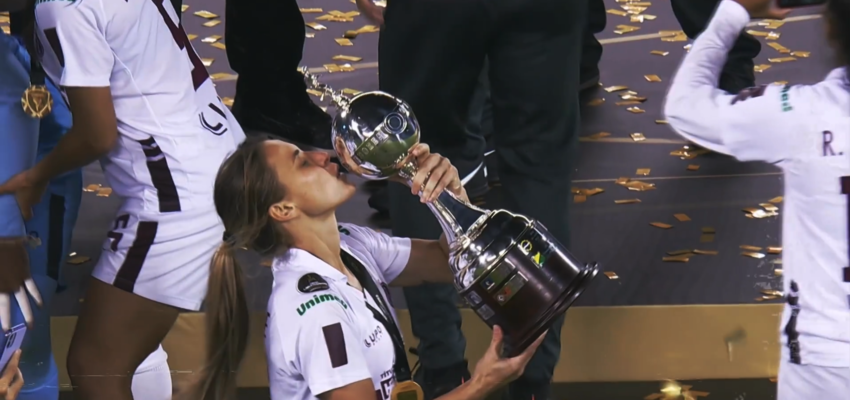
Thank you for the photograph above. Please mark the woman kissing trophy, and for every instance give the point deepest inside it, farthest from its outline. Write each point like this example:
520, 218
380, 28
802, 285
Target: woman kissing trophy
508, 267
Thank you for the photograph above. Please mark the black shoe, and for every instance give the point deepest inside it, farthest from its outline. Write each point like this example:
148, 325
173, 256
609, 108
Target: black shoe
588, 79
522, 389
305, 125
438, 382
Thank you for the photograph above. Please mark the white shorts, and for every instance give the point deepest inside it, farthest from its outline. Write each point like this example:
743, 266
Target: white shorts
165, 258
811, 382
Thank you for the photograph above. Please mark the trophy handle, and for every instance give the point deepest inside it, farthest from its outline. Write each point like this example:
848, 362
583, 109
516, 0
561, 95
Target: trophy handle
340, 100
455, 216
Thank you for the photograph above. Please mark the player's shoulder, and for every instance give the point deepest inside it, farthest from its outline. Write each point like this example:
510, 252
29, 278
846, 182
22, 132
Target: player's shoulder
300, 298
349, 233
49, 13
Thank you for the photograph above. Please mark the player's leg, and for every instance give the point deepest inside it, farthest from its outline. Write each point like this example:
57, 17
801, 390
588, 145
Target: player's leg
116, 331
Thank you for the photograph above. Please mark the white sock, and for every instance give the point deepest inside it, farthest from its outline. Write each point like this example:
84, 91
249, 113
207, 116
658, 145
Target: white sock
152, 380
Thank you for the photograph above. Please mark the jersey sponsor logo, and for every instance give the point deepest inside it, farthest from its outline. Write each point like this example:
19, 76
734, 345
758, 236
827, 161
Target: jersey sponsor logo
786, 105
386, 384
374, 337
335, 343
319, 299
793, 300
311, 282
343, 230
749, 93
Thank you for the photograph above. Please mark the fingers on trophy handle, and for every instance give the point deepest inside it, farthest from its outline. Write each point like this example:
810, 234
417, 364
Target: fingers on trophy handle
5, 312
24, 304
33, 290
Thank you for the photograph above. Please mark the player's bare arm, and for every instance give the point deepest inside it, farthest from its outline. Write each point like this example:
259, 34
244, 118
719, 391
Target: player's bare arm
429, 263
94, 133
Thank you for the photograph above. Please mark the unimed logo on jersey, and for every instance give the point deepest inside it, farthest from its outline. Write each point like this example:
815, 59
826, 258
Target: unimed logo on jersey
319, 299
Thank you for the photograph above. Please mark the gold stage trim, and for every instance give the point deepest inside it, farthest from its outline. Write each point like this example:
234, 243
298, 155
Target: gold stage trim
600, 344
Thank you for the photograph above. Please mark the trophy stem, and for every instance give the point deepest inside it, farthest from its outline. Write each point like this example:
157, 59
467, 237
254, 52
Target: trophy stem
454, 215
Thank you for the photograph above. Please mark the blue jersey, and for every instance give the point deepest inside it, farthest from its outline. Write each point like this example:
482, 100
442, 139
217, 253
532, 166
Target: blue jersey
19, 133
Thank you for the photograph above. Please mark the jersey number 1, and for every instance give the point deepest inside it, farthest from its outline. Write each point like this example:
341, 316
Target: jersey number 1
199, 72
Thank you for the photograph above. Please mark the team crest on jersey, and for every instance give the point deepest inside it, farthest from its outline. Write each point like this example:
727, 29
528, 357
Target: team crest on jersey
311, 282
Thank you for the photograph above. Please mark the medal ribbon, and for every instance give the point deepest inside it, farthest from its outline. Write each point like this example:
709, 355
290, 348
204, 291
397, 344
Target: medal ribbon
401, 367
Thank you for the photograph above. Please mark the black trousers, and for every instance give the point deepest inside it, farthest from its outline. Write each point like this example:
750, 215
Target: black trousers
431, 54
738, 73
265, 43
591, 51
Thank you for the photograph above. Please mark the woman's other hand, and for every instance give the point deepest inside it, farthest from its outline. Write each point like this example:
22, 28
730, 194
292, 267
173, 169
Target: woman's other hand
11, 381
493, 370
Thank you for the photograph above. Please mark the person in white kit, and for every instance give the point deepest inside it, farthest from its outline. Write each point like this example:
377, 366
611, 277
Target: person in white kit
804, 130
143, 104
331, 332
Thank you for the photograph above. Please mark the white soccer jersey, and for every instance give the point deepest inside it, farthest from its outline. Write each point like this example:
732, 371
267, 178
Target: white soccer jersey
174, 131
805, 130
319, 335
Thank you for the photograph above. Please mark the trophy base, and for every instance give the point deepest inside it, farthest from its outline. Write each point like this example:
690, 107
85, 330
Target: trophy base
515, 346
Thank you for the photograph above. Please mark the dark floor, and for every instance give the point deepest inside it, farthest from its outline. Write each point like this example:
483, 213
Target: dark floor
618, 236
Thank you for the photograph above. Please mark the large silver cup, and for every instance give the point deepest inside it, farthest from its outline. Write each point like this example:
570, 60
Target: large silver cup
508, 267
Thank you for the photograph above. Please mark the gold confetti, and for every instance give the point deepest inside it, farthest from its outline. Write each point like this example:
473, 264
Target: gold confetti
315, 26
771, 23
221, 76
678, 252
627, 201
638, 137
661, 122
706, 252
611, 275
776, 261
579, 198
682, 259
659, 53
642, 171
774, 249
338, 68
219, 45
343, 42
635, 110
351, 92
207, 61
777, 272
708, 229
773, 36
334, 18
770, 292
210, 24
757, 33
769, 206
766, 298
78, 260
315, 92
781, 83
206, 14
184, 7
801, 54
752, 254
761, 68
693, 167
91, 188
211, 39
781, 59
775, 200
5, 29
617, 12
596, 102
652, 78
347, 58
610, 89
706, 238
627, 103
104, 192
266, 262
587, 192
675, 38
661, 225
682, 217
311, 10
778, 47
309, 35
623, 29
228, 101
599, 135
191, 36
749, 248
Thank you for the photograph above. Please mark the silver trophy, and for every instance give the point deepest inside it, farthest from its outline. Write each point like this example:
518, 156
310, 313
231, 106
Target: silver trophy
508, 267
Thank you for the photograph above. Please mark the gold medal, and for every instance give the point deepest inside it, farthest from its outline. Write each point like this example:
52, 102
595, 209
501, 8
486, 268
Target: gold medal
37, 101
407, 390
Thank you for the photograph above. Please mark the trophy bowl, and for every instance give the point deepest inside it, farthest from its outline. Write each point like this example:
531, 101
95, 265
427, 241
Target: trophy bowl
373, 133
